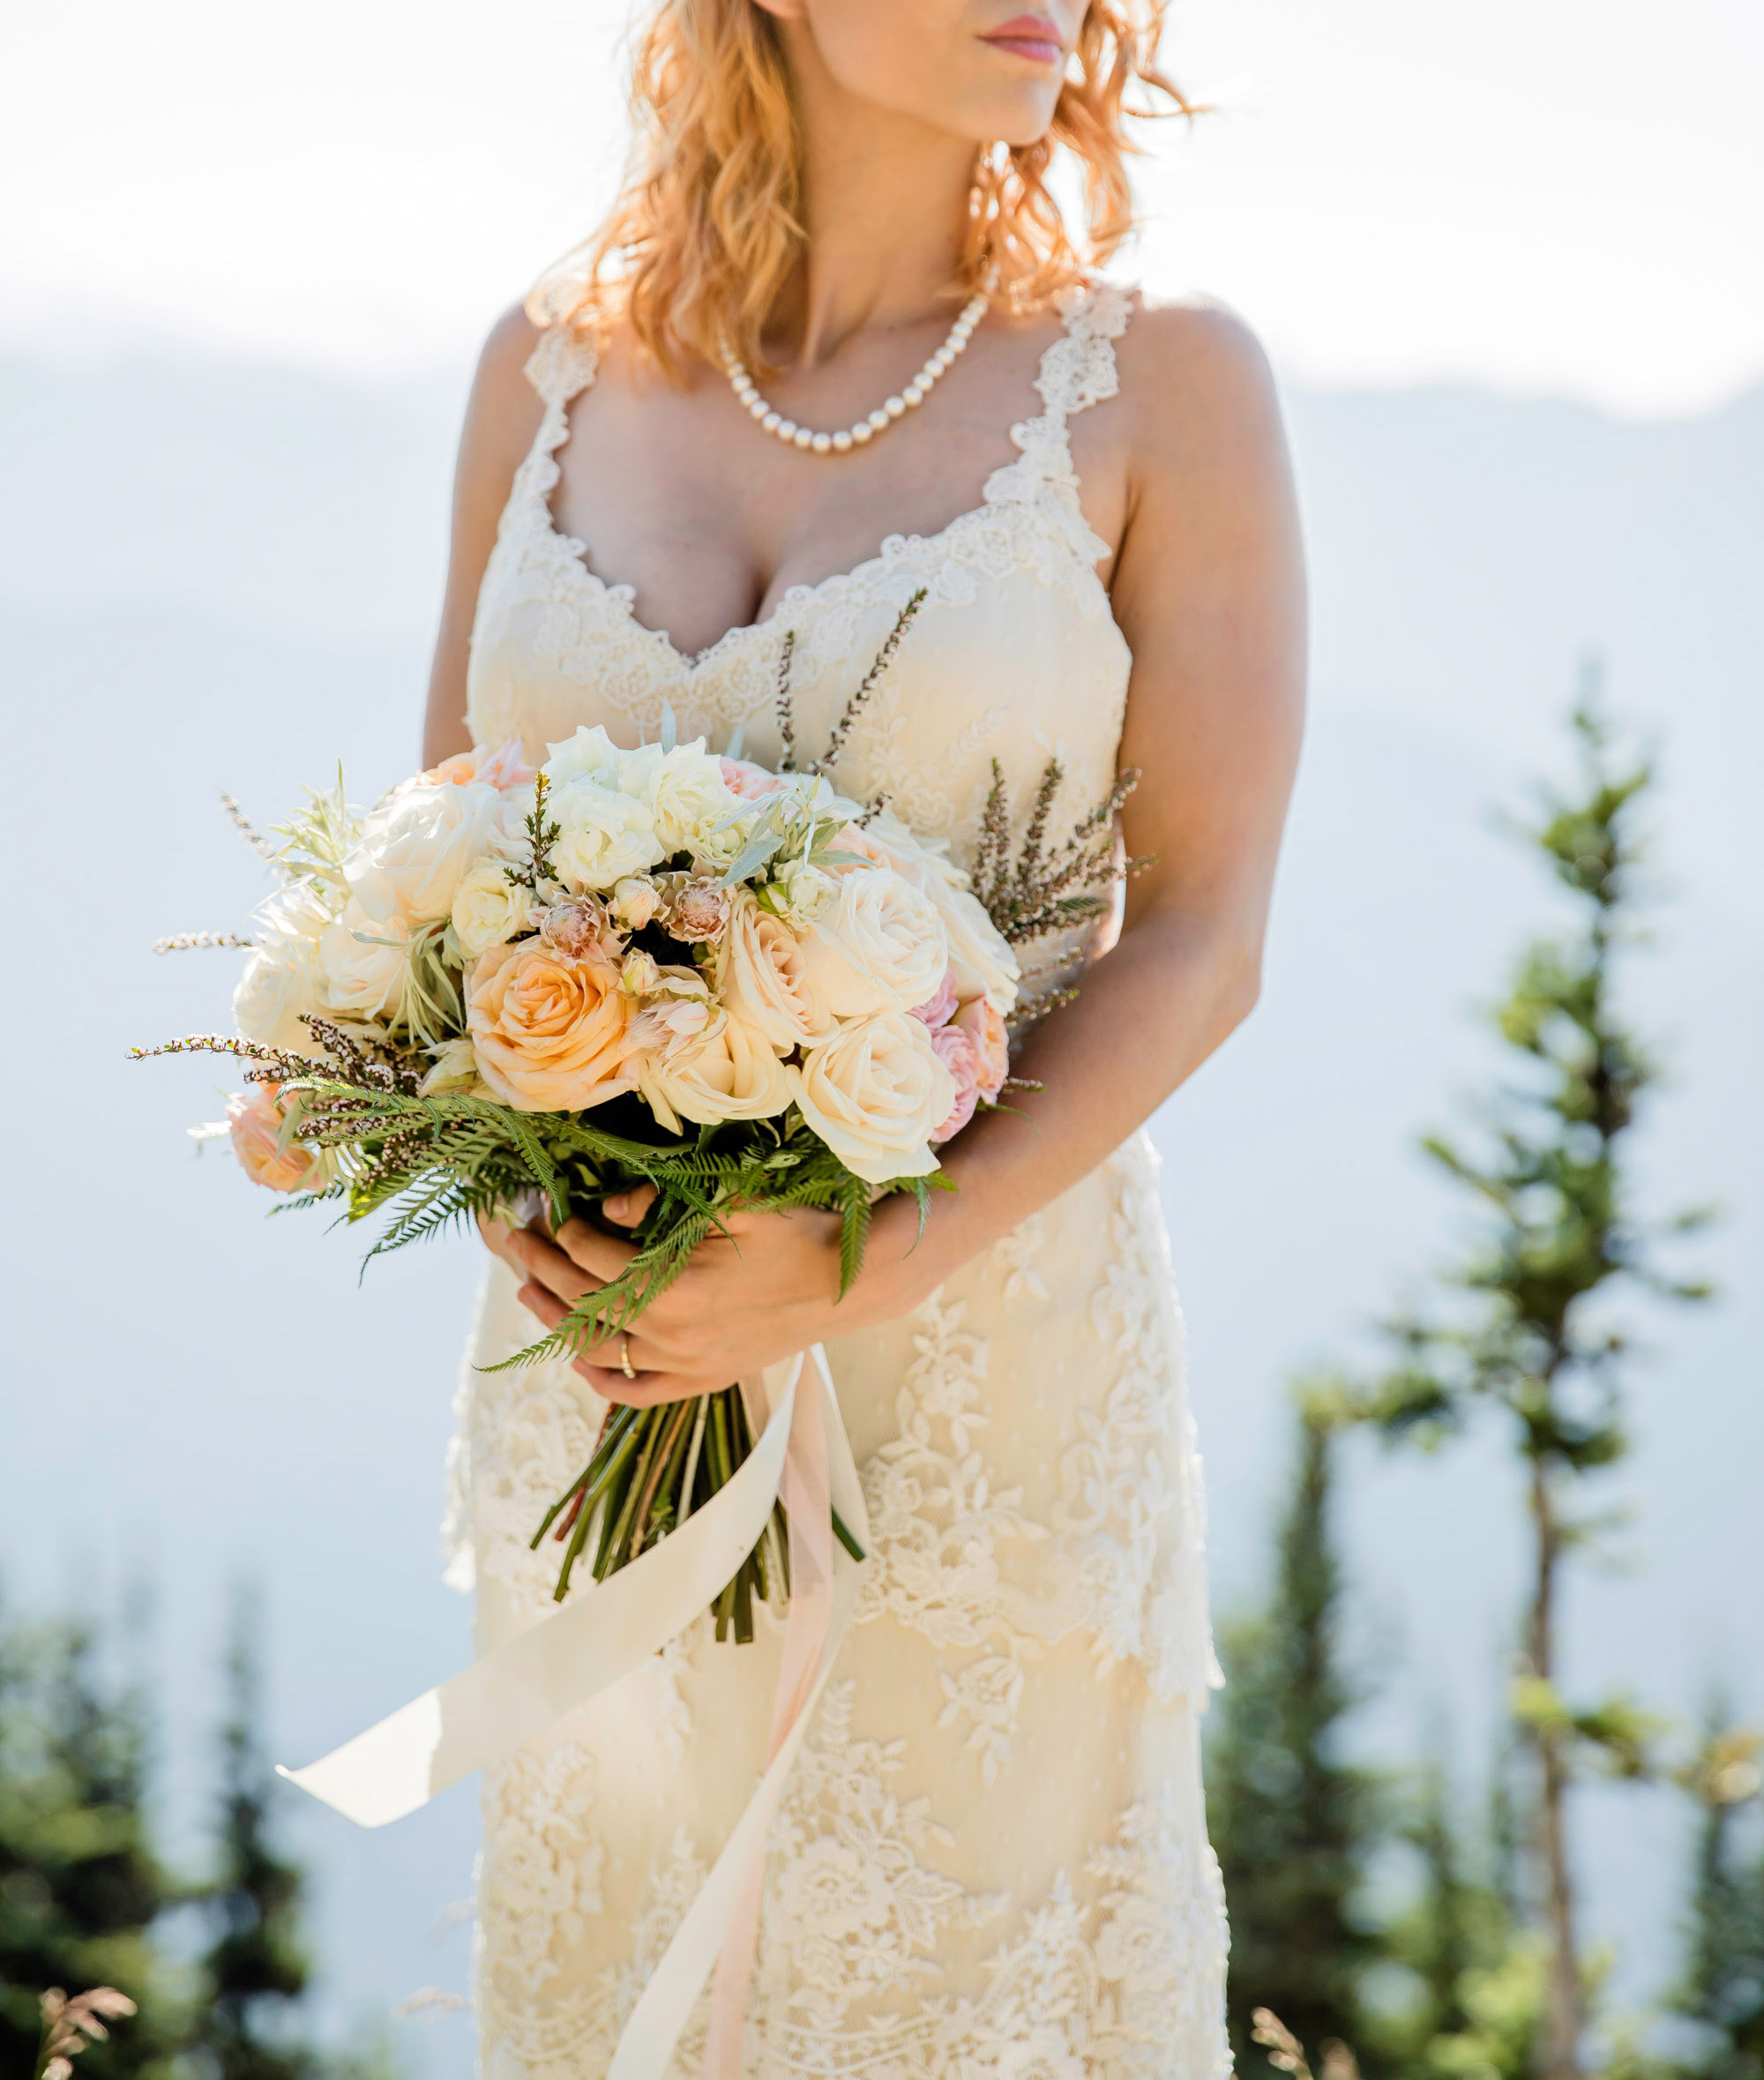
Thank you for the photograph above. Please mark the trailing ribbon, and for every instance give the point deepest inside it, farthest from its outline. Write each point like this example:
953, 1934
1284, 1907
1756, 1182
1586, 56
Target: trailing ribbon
516, 1692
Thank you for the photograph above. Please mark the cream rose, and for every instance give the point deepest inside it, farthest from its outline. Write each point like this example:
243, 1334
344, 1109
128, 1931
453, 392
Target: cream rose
982, 960
280, 980
605, 834
488, 907
549, 1033
728, 1072
762, 976
875, 1094
689, 799
417, 846
878, 946
361, 965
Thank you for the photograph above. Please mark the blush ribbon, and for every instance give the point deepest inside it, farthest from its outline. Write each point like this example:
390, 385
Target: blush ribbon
518, 1691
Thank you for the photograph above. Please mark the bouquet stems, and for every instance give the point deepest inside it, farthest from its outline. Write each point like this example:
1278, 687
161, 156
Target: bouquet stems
651, 1468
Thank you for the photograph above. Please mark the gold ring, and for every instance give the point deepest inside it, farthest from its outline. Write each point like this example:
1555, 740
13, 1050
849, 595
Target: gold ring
624, 1363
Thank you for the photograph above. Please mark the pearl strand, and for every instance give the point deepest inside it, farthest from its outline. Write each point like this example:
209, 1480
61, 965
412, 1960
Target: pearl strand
772, 421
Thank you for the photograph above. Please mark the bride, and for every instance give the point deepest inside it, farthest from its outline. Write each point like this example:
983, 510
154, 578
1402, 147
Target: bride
707, 449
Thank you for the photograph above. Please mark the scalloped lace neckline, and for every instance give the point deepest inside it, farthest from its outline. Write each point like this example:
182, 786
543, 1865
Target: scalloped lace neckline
1042, 443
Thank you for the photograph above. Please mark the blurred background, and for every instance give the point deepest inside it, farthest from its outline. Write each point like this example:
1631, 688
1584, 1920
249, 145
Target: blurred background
1506, 263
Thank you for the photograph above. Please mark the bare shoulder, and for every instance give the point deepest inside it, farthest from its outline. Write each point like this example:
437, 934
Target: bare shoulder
504, 410
1199, 392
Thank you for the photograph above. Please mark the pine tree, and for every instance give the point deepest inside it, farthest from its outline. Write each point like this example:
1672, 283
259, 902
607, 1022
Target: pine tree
1722, 1992
255, 1969
1524, 1334
1292, 1823
80, 1886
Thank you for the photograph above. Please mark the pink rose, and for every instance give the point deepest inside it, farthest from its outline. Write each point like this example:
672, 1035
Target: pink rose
955, 1049
985, 1027
502, 768
749, 782
939, 1009
254, 1121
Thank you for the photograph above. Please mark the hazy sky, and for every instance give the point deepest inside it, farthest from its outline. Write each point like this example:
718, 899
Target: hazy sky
1557, 194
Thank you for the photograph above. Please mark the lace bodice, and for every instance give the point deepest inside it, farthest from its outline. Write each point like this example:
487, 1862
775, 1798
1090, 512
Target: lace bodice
1014, 656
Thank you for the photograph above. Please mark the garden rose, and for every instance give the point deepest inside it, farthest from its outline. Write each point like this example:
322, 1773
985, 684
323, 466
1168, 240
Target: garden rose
488, 907
689, 799
605, 834
727, 1073
549, 1033
874, 1093
280, 980
982, 960
878, 946
762, 976
500, 766
939, 1009
954, 1050
254, 1124
417, 846
361, 965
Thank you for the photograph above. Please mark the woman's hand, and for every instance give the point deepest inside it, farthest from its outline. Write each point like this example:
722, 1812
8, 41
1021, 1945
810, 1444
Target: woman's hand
766, 1289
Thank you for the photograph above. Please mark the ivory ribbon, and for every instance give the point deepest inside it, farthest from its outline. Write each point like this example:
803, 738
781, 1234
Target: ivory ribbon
514, 1693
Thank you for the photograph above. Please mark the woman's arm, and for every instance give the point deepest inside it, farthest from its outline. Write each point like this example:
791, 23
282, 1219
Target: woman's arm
1210, 592
502, 416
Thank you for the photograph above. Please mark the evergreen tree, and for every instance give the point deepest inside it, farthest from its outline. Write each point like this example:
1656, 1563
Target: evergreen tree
1723, 1990
255, 1969
1289, 1820
80, 1886
1524, 1336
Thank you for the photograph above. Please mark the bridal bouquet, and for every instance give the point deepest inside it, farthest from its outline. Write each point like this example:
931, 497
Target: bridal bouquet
516, 993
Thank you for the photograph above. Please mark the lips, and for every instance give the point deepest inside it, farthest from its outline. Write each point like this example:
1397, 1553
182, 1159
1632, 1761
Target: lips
1031, 36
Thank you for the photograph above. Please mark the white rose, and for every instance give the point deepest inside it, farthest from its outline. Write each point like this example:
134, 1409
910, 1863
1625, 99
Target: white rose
875, 1094
590, 754
280, 980
763, 977
878, 946
362, 962
690, 797
605, 835
488, 907
416, 847
983, 962
730, 1072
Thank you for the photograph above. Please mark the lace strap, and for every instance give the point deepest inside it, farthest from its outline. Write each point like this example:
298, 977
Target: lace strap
1078, 369
561, 364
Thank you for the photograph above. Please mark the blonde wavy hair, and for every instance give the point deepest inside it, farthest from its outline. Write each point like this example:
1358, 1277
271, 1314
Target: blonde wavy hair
708, 224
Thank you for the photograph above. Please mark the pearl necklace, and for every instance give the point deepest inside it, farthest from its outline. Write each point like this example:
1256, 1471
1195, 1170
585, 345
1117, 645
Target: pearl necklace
773, 421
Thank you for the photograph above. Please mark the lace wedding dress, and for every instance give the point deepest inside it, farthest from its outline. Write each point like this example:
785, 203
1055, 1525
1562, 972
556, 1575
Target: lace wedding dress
991, 1859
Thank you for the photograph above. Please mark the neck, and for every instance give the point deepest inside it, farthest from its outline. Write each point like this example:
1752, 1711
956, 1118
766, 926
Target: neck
885, 203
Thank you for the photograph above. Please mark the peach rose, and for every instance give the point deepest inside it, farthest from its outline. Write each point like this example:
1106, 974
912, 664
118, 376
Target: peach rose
955, 1049
503, 768
762, 976
549, 1032
254, 1121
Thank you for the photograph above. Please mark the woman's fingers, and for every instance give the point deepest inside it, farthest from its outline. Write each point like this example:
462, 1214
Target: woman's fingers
627, 1208
645, 1391
546, 1264
605, 1255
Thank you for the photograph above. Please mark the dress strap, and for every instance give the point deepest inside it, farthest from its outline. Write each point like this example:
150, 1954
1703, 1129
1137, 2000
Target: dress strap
1078, 370
561, 366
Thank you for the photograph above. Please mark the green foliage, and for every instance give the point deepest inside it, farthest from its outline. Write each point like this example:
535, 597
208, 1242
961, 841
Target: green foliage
1721, 1993
255, 1968
1293, 1825
80, 1886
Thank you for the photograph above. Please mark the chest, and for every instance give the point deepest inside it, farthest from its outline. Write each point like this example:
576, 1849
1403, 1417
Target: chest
673, 494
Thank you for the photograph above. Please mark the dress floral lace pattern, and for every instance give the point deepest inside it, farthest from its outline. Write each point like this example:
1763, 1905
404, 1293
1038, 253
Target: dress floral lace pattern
992, 1861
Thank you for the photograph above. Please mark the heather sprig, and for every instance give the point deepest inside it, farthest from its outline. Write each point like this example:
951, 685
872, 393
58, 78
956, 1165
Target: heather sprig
1042, 890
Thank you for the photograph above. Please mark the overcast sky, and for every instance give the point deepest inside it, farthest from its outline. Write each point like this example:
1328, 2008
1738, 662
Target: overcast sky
1554, 195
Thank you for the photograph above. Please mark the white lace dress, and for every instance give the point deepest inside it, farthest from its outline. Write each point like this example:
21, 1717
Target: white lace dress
992, 1856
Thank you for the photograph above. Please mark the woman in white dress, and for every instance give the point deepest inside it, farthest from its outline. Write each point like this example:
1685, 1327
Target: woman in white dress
991, 1859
